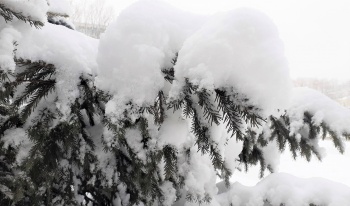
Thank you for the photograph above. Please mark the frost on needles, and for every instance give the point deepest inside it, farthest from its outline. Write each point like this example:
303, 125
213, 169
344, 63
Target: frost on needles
154, 113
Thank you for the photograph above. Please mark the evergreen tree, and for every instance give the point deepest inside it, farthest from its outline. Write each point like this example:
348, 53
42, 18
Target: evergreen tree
63, 165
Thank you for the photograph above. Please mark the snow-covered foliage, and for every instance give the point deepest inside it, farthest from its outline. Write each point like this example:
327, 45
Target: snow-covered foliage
13, 12
33, 9
137, 46
239, 49
165, 104
322, 108
71, 59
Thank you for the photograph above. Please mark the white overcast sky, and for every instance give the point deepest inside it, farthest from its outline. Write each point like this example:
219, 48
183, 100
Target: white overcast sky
316, 33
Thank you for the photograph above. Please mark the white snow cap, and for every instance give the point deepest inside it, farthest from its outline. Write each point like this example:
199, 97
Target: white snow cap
135, 48
239, 49
61, 7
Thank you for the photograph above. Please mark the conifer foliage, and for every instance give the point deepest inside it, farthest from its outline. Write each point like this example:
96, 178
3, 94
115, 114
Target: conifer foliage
88, 158
9, 14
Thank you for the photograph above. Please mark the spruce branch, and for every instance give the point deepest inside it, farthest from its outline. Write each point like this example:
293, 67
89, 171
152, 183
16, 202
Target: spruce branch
305, 149
200, 131
158, 110
37, 75
170, 73
34, 92
88, 100
58, 21
4, 76
33, 71
191, 197
292, 141
170, 159
313, 129
231, 114
143, 127
327, 132
219, 164
203, 140
251, 155
7, 87
12, 121
211, 114
80, 123
9, 15
279, 131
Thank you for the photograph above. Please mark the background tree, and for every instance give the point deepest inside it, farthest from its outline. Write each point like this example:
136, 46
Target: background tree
91, 17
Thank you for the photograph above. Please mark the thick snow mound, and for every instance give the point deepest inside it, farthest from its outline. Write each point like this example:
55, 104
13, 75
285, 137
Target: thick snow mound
59, 46
292, 191
322, 107
239, 49
134, 49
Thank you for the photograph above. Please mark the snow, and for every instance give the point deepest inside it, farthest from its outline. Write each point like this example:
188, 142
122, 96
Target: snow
8, 36
169, 193
200, 176
34, 9
284, 188
105, 159
272, 155
60, 46
333, 167
174, 130
301, 185
239, 49
134, 139
61, 7
72, 53
17, 138
137, 46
